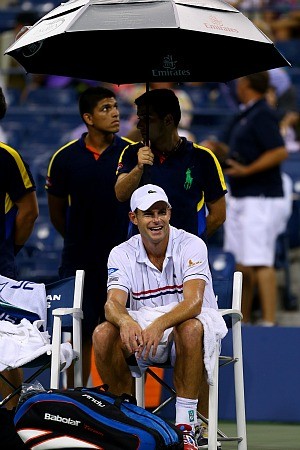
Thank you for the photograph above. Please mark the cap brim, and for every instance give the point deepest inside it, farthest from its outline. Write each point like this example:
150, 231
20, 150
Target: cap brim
146, 204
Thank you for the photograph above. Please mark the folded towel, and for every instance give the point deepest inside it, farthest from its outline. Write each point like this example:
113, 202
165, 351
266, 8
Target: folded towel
24, 295
145, 316
24, 342
214, 331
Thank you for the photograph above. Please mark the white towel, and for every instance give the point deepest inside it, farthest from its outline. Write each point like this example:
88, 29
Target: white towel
144, 317
26, 295
214, 331
24, 342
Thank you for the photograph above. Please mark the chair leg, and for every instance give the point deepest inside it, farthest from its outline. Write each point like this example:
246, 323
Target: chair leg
55, 356
140, 390
239, 384
213, 405
77, 346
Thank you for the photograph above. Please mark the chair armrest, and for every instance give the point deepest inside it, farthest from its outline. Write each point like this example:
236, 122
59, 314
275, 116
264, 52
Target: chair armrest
65, 311
77, 315
231, 312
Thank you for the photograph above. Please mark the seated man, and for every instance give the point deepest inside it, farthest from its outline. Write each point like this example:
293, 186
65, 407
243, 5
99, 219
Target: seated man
165, 273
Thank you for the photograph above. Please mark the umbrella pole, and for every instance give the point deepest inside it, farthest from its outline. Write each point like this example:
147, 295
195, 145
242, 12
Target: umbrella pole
147, 115
147, 168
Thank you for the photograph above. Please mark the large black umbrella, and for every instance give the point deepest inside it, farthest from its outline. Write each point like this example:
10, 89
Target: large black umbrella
132, 41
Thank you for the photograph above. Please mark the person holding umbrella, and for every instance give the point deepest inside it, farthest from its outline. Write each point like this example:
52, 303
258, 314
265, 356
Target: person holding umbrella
190, 175
83, 206
163, 276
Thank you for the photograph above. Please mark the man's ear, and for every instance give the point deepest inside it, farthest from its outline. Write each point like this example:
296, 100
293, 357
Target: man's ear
169, 119
132, 217
87, 117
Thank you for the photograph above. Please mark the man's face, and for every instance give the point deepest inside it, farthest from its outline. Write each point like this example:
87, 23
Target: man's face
153, 224
105, 116
156, 125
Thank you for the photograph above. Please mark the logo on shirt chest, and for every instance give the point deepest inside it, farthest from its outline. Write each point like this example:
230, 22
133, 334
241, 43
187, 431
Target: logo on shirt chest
188, 179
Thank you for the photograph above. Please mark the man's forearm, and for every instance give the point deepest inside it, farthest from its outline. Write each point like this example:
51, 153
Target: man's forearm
116, 313
213, 224
127, 183
23, 228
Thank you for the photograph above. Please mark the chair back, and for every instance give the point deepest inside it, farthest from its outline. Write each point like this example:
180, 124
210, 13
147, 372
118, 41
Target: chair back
60, 294
222, 266
223, 289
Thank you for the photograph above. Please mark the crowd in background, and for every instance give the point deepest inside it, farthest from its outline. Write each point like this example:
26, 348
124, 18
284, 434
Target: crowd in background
205, 106
43, 116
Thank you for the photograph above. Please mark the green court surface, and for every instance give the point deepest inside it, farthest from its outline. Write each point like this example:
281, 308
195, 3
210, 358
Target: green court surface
265, 436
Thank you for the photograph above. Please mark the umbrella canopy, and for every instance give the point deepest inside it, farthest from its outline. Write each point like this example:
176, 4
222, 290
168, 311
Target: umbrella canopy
181, 40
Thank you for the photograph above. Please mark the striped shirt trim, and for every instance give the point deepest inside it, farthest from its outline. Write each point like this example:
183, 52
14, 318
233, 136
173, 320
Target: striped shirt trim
160, 292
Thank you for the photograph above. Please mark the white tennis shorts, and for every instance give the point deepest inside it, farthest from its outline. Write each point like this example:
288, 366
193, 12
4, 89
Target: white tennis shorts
251, 228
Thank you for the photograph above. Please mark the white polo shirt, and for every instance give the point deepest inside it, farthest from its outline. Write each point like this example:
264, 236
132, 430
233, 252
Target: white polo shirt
130, 270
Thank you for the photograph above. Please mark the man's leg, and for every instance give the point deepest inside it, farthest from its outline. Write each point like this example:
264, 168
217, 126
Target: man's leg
188, 371
110, 359
203, 397
267, 289
189, 363
249, 280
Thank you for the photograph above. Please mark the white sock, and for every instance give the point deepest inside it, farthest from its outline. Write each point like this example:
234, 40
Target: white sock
186, 411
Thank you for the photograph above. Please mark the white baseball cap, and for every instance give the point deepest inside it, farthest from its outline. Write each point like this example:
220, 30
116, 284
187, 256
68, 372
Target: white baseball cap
145, 196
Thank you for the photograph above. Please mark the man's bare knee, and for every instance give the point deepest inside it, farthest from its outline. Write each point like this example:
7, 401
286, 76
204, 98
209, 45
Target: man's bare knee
104, 335
189, 332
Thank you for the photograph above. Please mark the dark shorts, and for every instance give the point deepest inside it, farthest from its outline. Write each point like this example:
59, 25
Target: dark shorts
94, 296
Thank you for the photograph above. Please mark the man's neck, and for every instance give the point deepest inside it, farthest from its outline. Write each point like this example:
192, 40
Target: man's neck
99, 141
168, 146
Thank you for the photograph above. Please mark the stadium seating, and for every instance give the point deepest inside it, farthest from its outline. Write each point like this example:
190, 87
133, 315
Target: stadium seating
45, 96
291, 166
290, 50
40, 257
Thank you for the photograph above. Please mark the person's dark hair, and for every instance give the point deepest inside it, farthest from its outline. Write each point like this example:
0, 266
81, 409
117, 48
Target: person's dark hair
260, 81
3, 104
89, 98
162, 102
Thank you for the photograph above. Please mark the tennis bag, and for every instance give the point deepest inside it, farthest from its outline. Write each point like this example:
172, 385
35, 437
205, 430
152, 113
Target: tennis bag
92, 418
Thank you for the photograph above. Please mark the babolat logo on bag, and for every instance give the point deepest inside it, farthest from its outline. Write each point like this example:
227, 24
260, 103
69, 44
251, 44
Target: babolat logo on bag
57, 418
